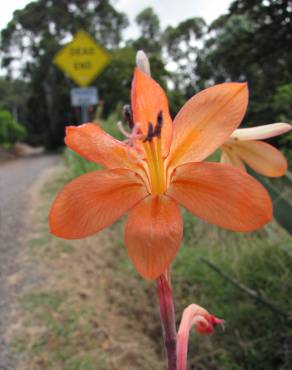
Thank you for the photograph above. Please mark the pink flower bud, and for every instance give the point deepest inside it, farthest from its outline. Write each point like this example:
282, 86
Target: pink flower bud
204, 323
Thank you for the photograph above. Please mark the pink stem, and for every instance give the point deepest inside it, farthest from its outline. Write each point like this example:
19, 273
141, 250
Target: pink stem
167, 317
182, 345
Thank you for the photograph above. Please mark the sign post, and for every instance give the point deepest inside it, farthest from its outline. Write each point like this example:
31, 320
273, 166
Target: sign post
84, 97
82, 60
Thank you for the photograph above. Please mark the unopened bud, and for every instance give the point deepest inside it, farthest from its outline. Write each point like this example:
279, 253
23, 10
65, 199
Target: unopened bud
143, 62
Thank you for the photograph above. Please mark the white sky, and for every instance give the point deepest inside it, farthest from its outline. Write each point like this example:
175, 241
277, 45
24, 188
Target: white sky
171, 12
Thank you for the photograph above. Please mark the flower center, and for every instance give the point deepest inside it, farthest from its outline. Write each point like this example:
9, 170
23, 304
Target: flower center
151, 143
153, 150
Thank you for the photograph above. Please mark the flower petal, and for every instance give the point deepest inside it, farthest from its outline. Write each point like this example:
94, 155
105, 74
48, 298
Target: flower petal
148, 99
228, 156
261, 132
206, 121
94, 201
262, 157
221, 195
153, 234
95, 145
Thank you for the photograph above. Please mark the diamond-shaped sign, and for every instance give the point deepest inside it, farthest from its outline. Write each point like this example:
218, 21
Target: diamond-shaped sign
82, 59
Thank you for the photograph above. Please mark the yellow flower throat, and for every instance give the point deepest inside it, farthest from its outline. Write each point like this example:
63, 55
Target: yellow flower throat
155, 165
153, 150
151, 143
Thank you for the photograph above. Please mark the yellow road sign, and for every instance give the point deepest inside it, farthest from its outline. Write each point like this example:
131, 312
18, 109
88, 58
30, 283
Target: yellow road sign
82, 59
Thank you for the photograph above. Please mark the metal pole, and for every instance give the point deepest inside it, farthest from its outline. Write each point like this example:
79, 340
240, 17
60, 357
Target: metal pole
84, 114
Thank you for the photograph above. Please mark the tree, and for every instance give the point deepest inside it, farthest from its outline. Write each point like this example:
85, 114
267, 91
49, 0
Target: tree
10, 130
251, 43
34, 36
14, 95
150, 34
181, 44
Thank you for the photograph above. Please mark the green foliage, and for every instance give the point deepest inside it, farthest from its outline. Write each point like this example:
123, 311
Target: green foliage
281, 193
253, 43
14, 95
115, 83
48, 301
39, 30
255, 336
10, 130
150, 34
82, 363
282, 106
238, 46
282, 102
110, 124
78, 165
181, 43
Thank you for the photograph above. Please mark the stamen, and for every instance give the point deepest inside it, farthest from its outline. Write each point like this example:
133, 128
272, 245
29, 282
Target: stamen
159, 123
150, 134
123, 131
136, 155
160, 117
154, 132
128, 115
130, 135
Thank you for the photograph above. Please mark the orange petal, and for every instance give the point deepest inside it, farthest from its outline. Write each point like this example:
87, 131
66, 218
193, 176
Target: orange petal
153, 234
94, 201
262, 157
148, 99
221, 195
206, 121
228, 156
95, 145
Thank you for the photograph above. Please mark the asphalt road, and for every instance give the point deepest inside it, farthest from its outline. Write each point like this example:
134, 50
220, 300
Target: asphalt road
16, 177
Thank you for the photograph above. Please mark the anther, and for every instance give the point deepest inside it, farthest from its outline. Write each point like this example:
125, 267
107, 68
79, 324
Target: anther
128, 115
150, 134
159, 117
159, 123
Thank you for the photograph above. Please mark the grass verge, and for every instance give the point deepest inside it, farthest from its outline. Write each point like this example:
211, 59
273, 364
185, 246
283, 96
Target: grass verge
95, 312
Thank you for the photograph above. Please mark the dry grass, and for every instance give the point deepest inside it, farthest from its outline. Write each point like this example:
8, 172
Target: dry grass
89, 311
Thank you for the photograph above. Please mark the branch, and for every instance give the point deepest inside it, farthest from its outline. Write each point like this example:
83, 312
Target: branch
252, 293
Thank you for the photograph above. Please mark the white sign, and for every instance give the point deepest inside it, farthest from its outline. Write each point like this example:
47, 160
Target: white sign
84, 96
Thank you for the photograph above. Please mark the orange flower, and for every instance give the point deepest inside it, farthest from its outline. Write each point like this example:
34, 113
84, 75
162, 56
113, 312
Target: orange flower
244, 146
158, 170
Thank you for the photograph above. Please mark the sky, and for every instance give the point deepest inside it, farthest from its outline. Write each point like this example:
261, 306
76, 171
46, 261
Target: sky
170, 12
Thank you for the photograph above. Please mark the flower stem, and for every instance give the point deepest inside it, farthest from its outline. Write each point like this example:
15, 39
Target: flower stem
167, 317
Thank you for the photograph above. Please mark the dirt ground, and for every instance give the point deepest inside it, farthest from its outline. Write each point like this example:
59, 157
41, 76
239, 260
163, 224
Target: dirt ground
87, 308
16, 178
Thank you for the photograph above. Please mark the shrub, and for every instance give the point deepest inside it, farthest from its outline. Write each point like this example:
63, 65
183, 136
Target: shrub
10, 130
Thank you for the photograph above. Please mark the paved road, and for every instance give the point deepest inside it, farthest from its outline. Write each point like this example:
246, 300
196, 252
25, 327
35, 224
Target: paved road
16, 177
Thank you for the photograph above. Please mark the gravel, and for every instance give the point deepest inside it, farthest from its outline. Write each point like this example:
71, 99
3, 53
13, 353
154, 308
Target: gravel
16, 177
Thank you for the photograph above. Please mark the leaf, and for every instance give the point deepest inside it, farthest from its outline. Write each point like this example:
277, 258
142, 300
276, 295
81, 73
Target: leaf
282, 207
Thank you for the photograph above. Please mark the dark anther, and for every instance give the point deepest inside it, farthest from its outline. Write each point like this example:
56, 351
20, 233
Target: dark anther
128, 116
159, 123
160, 118
150, 133
154, 132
